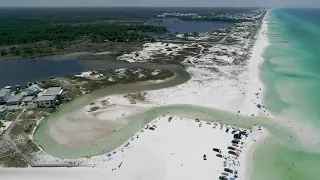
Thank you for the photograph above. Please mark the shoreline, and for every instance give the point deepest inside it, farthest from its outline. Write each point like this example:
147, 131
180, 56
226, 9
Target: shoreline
59, 56
249, 158
254, 66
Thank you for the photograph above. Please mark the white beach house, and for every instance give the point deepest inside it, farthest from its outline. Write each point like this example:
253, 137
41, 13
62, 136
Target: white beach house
47, 98
46, 101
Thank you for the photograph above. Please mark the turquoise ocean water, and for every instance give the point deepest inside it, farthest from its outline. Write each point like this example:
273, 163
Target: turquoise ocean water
291, 73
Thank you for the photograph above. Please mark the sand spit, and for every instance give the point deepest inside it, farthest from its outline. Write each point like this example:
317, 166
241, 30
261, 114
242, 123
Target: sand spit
84, 126
117, 107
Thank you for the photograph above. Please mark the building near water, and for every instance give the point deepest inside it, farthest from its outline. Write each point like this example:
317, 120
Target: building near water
15, 99
4, 95
32, 90
53, 91
48, 98
28, 99
46, 101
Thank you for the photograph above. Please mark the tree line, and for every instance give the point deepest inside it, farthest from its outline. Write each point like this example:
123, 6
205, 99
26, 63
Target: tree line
20, 33
42, 38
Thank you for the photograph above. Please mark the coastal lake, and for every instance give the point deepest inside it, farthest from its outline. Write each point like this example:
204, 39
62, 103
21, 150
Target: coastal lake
175, 25
19, 72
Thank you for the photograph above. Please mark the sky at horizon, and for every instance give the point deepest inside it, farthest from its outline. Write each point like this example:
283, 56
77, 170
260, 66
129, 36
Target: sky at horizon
160, 3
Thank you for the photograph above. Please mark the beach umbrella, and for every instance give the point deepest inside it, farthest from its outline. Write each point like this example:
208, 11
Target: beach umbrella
109, 155
259, 106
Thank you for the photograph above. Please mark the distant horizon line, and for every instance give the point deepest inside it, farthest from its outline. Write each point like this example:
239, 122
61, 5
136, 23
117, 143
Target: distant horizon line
158, 7
131, 7
54, 7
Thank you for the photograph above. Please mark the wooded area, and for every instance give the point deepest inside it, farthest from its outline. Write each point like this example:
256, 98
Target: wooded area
28, 32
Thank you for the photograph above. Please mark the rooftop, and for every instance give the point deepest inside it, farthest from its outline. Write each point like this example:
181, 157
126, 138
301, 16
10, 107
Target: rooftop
52, 91
46, 98
4, 91
28, 99
2, 108
15, 98
34, 87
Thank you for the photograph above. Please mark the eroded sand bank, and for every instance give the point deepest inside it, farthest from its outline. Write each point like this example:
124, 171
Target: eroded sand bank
98, 119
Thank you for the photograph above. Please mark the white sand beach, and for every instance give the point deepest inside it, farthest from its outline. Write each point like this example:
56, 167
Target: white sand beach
116, 108
173, 149
231, 88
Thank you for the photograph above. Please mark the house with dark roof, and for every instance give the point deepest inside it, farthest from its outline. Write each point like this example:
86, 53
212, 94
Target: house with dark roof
15, 99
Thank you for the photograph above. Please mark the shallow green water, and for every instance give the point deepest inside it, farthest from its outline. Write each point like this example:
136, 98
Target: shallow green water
278, 161
116, 139
104, 144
